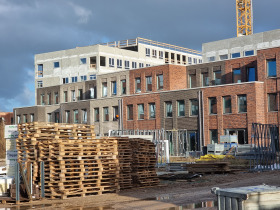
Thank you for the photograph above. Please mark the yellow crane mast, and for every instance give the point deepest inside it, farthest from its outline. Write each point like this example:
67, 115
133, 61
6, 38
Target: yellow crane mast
244, 17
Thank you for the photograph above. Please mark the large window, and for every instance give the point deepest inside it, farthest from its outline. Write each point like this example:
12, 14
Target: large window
74, 79
218, 77
114, 87
84, 116
104, 89
192, 80
105, 114
56, 98
83, 78
134, 65
236, 76
194, 107
76, 116
119, 63
65, 96
123, 86
56, 117
115, 113
31, 117
214, 136
111, 62
129, 112
137, 84
49, 116
148, 52
227, 104
251, 74
272, 102
96, 114
152, 110
49, 99
168, 109
126, 64
205, 79
140, 111
67, 116
212, 105
271, 68
180, 108
242, 103
42, 98
65, 80
160, 82
73, 95
149, 83
92, 92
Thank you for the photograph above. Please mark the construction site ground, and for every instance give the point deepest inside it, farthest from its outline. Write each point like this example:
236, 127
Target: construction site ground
179, 194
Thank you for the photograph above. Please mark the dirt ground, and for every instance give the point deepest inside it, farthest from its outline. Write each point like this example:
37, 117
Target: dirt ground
172, 195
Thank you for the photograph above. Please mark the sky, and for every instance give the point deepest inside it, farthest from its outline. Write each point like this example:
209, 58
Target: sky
29, 27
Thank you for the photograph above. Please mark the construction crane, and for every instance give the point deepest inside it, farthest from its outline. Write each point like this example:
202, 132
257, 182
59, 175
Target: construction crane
244, 17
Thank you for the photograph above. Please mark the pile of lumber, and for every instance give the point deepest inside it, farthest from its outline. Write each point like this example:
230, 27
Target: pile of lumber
78, 164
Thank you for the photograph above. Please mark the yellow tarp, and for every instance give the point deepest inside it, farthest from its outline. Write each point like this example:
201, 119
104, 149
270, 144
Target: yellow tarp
215, 157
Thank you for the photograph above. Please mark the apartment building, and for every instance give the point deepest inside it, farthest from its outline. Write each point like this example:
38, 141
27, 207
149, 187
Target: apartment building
205, 100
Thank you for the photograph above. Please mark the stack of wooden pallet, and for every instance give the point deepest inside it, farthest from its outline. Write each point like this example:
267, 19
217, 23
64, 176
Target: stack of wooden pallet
78, 164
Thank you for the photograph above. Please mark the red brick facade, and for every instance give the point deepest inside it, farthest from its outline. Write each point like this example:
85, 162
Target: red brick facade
8, 117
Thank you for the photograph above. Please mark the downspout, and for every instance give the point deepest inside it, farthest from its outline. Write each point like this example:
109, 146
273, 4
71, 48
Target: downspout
199, 120
202, 122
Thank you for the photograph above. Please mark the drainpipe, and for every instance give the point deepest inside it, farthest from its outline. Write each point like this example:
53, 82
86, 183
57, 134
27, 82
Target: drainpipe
200, 119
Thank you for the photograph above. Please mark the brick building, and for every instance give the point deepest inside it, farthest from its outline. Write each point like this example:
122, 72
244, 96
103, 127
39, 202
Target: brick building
235, 85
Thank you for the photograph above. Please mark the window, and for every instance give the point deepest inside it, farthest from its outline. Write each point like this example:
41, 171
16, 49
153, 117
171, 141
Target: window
114, 88
140, 111
235, 55
223, 57
126, 64
205, 79
200, 60
194, 107
31, 117
67, 116
236, 76
211, 59
115, 113
123, 86
96, 114
65, 80
168, 109
180, 108
129, 112
49, 99
152, 110
160, 53
102, 61
92, 77
83, 78
119, 63
141, 65
272, 102
137, 84
56, 117
251, 74
65, 96
189, 60
160, 82
111, 62
105, 114
217, 77
214, 136
148, 65
39, 84
83, 61
73, 95
195, 60
84, 116
242, 103
40, 70
56, 97
76, 116
154, 53
212, 105
74, 79
56, 64
192, 80
148, 52
227, 104
149, 83
271, 68
92, 92
18, 119
42, 99
104, 89
49, 116
25, 118
134, 65
249, 53
80, 94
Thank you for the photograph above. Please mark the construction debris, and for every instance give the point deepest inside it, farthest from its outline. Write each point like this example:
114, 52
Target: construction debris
78, 164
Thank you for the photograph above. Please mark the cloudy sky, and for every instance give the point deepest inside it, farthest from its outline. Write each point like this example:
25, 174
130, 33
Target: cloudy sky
29, 27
